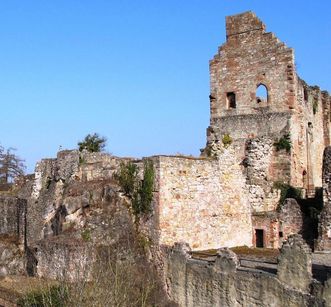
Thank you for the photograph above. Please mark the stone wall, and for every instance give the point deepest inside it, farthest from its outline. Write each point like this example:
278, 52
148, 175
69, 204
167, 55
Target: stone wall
70, 260
278, 225
202, 201
324, 238
225, 283
252, 58
13, 217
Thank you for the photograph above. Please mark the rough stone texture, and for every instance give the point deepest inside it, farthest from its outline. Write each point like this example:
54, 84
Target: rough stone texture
324, 239
252, 57
278, 225
64, 260
12, 257
269, 223
295, 263
202, 201
197, 283
290, 218
13, 217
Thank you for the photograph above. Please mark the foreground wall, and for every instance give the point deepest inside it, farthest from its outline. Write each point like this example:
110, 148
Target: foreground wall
202, 201
224, 283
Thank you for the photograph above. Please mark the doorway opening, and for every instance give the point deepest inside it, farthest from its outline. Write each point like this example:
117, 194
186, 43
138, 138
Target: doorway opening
259, 236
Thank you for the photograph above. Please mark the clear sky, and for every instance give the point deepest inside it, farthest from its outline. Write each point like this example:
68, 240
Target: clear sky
136, 72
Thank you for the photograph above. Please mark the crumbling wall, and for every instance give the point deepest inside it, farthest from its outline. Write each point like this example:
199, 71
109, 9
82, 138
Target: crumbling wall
203, 201
324, 236
13, 217
291, 219
224, 282
295, 264
65, 188
251, 58
70, 260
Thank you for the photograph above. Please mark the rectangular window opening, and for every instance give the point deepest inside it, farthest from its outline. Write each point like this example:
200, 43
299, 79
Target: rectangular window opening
231, 100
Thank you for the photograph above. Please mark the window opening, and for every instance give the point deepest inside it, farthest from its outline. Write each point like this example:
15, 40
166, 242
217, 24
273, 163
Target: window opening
231, 99
261, 94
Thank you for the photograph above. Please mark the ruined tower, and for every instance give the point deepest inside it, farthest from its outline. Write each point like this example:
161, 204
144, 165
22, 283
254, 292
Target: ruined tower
279, 123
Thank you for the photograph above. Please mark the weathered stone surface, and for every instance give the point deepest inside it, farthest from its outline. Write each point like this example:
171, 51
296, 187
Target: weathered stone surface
202, 201
252, 57
12, 257
197, 283
324, 239
294, 263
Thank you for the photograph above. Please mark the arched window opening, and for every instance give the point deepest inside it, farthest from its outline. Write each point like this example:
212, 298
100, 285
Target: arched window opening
231, 100
262, 94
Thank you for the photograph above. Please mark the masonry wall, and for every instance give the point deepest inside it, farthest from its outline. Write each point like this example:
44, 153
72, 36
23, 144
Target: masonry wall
252, 57
324, 229
197, 283
13, 217
202, 201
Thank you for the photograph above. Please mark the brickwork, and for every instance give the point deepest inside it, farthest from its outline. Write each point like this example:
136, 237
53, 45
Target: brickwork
252, 57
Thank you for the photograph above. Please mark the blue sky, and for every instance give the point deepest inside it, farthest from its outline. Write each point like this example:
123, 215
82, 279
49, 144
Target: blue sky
133, 71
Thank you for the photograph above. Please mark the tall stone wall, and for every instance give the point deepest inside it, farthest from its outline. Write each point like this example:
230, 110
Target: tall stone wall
203, 201
13, 217
324, 236
252, 58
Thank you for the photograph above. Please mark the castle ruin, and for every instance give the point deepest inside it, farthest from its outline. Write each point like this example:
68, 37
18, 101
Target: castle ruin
268, 130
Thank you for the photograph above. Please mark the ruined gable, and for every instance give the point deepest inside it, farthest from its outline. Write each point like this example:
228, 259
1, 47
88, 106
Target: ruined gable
249, 58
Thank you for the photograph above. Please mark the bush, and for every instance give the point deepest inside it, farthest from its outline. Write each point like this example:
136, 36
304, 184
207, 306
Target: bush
86, 235
127, 178
284, 143
92, 143
287, 191
139, 191
315, 105
226, 140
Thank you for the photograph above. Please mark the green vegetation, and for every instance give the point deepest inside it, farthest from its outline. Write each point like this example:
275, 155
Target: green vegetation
92, 143
52, 296
86, 234
284, 143
140, 191
315, 105
287, 191
127, 178
227, 140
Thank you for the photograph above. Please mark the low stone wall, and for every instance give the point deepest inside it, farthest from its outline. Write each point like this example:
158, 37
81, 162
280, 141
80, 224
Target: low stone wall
224, 283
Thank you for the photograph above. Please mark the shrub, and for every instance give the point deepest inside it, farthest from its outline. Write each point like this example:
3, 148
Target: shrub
315, 105
226, 140
287, 191
92, 143
143, 196
284, 143
139, 191
127, 177
86, 234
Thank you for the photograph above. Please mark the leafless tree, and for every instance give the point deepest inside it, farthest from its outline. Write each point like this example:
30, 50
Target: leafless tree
11, 165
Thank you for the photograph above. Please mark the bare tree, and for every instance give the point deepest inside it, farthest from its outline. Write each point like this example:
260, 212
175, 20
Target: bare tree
11, 165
